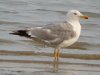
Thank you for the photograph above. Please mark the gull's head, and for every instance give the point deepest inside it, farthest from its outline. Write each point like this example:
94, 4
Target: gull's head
75, 15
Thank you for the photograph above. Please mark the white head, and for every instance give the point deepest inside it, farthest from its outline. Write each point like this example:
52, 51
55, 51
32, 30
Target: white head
75, 15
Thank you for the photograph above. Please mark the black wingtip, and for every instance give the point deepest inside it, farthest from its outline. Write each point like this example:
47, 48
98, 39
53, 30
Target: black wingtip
20, 33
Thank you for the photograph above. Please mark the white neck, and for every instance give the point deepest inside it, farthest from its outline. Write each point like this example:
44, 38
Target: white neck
76, 25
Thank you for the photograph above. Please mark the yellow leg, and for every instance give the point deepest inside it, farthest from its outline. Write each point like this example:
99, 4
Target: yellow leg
55, 58
58, 56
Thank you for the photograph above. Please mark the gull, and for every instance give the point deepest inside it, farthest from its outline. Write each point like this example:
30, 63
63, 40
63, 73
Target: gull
57, 35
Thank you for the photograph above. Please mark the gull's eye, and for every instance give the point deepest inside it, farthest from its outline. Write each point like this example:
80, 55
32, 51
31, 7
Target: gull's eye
75, 13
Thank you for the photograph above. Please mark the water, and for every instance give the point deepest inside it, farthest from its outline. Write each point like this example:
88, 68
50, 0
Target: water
19, 55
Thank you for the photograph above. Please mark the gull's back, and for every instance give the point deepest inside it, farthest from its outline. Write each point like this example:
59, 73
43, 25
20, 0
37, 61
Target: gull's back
52, 34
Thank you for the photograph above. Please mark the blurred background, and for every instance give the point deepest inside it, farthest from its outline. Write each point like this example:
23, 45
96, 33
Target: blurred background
19, 54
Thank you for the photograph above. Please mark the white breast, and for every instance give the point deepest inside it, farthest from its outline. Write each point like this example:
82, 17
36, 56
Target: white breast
77, 29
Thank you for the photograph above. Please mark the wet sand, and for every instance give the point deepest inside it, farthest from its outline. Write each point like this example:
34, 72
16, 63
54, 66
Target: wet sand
39, 66
11, 68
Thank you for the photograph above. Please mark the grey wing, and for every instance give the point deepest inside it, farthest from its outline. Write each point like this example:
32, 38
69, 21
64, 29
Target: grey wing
51, 34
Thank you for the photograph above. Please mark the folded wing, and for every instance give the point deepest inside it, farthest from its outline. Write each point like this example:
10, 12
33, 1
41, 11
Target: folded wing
52, 34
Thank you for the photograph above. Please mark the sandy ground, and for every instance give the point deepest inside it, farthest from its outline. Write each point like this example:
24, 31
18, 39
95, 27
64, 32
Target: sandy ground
10, 68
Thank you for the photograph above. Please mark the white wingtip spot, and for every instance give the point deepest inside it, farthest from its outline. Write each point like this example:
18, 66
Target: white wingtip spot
48, 30
38, 27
